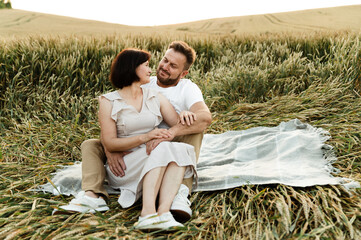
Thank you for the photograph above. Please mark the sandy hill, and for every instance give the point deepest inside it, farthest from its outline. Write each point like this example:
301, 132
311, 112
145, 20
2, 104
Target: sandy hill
21, 23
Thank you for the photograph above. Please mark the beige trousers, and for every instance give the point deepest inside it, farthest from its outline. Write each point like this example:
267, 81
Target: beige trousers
93, 157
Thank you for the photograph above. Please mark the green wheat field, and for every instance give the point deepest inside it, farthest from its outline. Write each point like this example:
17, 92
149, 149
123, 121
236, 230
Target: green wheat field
48, 106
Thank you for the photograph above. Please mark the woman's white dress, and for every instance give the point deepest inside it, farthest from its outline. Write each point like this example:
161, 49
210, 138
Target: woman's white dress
129, 123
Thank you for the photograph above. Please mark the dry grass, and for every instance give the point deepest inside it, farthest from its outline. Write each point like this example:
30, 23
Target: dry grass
48, 86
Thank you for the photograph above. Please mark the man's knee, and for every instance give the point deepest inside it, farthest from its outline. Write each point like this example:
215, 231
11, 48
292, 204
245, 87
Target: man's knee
92, 150
90, 144
195, 138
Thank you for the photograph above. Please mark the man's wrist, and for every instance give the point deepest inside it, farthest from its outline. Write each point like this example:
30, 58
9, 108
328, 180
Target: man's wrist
174, 130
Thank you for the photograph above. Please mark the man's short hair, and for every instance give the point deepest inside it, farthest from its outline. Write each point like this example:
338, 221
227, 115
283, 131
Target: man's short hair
186, 50
122, 72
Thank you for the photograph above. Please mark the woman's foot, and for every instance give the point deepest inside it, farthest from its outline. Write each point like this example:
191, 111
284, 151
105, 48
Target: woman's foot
155, 222
167, 222
148, 222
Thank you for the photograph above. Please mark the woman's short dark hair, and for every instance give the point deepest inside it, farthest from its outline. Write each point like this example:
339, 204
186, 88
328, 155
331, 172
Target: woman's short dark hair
122, 72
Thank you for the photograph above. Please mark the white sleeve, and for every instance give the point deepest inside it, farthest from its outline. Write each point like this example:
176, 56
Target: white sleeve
193, 95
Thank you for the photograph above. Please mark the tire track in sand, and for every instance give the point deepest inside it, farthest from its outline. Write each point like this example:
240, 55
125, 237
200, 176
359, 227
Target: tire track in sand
27, 18
276, 21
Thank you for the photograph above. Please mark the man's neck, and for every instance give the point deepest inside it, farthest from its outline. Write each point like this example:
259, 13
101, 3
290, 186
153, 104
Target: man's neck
167, 86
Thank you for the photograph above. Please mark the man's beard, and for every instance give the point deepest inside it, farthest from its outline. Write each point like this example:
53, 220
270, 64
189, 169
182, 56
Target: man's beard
167, 81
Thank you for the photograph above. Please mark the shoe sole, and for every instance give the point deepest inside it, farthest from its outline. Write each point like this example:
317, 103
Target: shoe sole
63, 212
70, 212
170, 229
180, 216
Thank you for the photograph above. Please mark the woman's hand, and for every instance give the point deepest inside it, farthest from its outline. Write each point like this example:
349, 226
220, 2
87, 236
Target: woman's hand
157, 134
187, 117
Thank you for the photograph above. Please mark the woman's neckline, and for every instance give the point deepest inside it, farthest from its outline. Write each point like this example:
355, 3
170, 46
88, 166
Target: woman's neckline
129, 104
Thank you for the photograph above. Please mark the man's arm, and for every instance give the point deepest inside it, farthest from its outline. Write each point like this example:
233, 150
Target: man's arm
204, 119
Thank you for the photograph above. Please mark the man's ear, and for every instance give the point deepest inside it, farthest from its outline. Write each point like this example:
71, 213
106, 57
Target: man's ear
184, 73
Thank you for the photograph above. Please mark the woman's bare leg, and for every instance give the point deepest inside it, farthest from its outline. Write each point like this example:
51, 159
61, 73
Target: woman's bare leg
151, 184
172, 179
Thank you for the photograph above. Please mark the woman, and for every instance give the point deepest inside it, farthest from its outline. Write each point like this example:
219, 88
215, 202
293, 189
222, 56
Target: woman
128, 118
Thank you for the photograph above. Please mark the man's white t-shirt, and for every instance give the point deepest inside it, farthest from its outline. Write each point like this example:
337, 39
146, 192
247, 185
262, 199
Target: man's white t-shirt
182, 96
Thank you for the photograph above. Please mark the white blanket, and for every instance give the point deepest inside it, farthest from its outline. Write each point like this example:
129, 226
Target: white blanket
293, 153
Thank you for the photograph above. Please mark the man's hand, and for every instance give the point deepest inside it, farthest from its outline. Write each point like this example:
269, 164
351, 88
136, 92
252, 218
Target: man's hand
187, 117
116, 162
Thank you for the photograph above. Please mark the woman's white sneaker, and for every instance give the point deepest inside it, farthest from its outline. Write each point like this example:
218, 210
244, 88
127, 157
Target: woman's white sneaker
164, 222
149, 222
167, 222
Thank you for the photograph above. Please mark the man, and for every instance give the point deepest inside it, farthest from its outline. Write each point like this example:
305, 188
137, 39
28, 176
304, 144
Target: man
184, 95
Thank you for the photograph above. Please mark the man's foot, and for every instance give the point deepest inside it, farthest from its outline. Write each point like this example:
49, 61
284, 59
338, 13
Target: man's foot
84, 204
181, 205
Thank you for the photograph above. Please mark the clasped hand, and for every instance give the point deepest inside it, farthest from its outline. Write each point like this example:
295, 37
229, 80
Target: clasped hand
159, 133
185, 117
